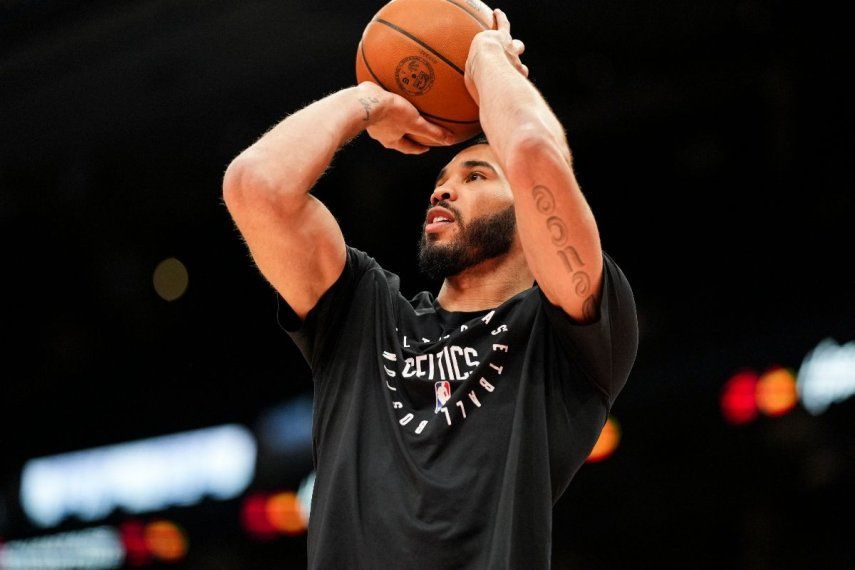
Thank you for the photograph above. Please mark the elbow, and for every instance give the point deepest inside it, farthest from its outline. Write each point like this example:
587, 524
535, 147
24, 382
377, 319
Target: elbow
533, 151
242, 181
232, 181
246, 184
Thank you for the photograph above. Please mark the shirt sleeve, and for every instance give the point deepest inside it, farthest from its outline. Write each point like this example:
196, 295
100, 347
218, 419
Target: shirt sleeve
604, 351
315, 335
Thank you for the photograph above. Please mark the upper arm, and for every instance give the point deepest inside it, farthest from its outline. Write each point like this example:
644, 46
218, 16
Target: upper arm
557, 228
294, 239
603, 350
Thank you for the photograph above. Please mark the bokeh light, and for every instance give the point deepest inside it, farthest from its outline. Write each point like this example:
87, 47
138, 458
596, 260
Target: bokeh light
827, 375
254, 517
165, 541
607, 442
170, 279
133, 539
738, 398
776, 392
284, 513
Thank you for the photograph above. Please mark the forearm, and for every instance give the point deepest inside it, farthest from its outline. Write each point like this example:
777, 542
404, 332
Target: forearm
557, 229
511, 107
292, 156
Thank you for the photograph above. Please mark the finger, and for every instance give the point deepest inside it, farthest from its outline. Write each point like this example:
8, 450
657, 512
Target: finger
519, 46
409, 146
519, 66
502, 21
433, 131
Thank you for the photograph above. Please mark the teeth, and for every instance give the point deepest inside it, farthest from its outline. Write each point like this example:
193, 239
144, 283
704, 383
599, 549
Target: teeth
441, 219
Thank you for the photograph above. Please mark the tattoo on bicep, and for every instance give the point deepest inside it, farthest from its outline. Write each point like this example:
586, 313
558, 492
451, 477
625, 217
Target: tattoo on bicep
557, 229
543, 199
368, 104
569, 256
590, 308
582, 283
544, 202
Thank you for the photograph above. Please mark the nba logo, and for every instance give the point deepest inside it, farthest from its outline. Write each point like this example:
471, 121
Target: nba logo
443, 393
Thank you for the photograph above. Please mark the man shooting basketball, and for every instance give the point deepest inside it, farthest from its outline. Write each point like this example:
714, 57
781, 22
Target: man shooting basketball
447, 427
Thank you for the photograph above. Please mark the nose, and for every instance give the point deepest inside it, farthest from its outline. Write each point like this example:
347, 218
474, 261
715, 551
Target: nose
442, 193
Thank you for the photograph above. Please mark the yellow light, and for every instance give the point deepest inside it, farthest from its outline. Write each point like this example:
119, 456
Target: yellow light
170, 279
284, 513
776, 392
165, 541
607, 443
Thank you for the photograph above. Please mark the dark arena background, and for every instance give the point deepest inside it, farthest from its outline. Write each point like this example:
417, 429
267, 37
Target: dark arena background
153, 414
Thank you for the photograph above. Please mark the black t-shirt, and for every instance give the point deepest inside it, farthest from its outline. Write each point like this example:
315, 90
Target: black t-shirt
443, 439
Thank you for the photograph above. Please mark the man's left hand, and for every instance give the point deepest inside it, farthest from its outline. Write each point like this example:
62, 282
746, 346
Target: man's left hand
498, 40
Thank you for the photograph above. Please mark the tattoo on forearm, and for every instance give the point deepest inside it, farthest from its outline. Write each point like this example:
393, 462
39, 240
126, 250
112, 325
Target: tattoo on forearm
368, 103
544, 202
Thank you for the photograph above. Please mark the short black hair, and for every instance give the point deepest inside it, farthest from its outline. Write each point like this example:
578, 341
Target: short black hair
481, 138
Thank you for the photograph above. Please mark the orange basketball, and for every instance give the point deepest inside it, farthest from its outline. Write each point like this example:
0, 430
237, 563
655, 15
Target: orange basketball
418, 49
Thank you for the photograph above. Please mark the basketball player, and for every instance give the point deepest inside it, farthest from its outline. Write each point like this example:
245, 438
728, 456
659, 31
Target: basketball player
445, 427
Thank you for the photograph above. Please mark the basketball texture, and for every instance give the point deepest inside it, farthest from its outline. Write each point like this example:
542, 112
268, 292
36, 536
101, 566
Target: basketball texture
418, 49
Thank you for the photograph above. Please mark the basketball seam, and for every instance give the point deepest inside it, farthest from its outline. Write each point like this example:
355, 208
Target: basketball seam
448, 120
480, 23
368, 67
421, 43
380, 83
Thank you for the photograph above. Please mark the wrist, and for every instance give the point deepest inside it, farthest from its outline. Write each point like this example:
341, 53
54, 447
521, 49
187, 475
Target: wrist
372, 100
485, 56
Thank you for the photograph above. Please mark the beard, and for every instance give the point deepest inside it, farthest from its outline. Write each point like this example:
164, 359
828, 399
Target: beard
479, 240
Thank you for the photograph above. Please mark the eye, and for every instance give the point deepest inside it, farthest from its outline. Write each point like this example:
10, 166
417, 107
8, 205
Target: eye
471, 174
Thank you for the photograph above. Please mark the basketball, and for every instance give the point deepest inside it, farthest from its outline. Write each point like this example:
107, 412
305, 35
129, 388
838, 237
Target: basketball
418, 49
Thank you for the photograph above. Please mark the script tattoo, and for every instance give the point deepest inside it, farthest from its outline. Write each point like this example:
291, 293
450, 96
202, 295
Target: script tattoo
582, 283
368, 104
569, 255
544, 202
543, 199
589, 309
557, 229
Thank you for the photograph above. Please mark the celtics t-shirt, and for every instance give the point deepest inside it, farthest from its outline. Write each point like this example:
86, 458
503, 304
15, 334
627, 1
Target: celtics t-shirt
443, 439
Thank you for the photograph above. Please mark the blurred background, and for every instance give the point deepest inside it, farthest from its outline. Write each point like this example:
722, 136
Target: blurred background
152, 413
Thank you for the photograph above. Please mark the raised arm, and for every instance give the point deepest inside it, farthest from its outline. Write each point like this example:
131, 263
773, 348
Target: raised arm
294, 239
557, 228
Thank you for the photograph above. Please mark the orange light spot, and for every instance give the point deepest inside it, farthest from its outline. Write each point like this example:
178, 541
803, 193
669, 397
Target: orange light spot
607, 442
776, 392
284, 513
165, 541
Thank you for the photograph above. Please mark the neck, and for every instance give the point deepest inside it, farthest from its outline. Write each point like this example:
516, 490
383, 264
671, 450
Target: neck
488, 284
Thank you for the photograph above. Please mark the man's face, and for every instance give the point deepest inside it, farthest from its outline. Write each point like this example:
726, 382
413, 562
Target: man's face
471, 218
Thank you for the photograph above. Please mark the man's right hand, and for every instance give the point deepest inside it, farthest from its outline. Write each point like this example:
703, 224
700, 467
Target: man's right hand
390, 118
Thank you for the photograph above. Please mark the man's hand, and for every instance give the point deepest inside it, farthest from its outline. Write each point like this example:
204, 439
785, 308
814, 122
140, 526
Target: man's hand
390, 118
493, 40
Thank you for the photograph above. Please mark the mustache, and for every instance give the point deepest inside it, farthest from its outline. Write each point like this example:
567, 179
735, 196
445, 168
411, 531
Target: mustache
447, 205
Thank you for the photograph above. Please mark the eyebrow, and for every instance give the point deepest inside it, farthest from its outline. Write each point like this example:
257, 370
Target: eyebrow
466, 165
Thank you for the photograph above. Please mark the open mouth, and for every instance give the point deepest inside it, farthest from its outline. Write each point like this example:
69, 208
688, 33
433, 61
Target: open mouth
438, 219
